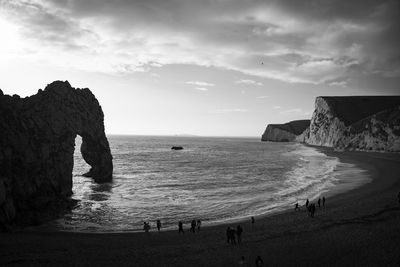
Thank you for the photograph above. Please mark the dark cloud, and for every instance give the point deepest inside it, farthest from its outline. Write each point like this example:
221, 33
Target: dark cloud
48, 27
316, 41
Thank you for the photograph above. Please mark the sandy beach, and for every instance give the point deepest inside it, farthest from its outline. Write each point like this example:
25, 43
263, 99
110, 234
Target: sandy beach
360, 227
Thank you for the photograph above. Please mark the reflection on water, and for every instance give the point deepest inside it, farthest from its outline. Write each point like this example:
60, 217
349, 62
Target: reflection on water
100, 192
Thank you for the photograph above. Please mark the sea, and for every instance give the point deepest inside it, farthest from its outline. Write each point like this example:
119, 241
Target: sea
214, 179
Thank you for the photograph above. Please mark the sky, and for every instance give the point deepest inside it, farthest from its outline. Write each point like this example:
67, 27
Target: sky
211, 68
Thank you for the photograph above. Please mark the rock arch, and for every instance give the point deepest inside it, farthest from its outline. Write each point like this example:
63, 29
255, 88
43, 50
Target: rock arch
37, 142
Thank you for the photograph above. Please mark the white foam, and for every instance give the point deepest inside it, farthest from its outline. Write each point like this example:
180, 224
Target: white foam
214, 180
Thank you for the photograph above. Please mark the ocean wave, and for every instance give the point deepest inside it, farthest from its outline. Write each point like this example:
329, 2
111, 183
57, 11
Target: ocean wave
216, 180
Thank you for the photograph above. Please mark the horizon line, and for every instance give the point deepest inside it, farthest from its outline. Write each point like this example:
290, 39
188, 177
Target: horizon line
184, 135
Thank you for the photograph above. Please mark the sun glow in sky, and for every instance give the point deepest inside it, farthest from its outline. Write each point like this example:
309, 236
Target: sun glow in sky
10, 42
213, 67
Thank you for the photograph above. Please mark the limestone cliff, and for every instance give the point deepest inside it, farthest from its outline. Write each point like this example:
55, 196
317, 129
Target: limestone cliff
37, 140
357, 122
285, 132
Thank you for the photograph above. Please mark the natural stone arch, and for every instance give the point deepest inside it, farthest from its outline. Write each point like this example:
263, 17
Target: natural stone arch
37, 139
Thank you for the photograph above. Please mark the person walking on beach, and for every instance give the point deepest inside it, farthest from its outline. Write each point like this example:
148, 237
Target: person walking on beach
259, 262
158, 225
307, 202
323, 201
180, 227
233, 236
193, 226
198, 225
296, 206
310, 210
146, 227
252, 222
243, 261
319, 202
239, 231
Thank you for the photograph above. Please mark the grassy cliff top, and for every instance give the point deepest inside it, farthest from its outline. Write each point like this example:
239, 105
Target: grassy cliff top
295, 127
351, 109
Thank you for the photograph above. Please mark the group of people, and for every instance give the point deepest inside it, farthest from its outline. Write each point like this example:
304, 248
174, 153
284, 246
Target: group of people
311, 206
231, 235
259, 261
193, 226
311, 210
146, 226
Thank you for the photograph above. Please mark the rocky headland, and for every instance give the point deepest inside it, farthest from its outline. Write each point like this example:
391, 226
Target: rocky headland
287, 132
37, 142
369, 123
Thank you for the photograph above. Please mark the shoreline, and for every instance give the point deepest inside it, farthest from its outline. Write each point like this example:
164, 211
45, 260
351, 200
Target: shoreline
341, 187
363, 221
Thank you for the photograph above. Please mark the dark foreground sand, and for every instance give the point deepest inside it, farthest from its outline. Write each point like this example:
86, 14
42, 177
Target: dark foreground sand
358, 228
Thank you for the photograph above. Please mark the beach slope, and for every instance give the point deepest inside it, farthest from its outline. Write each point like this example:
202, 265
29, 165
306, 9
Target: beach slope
360, 227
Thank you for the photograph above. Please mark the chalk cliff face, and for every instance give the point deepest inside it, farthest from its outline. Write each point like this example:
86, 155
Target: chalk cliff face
285, 132
37, 142
362, 122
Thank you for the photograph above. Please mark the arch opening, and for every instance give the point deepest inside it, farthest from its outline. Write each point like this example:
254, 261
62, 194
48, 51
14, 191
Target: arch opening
79, 182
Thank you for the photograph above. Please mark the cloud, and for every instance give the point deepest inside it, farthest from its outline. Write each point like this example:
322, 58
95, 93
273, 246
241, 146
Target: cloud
295, 41
262, 96
199, 83
245, 81
337, 83
276, 107
44, 26
201, 88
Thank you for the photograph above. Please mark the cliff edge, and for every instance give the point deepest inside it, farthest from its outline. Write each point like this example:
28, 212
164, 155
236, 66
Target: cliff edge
285, 132
37, 142
356, 122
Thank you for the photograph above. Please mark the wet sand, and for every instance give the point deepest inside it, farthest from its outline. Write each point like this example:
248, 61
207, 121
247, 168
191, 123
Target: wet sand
360, 227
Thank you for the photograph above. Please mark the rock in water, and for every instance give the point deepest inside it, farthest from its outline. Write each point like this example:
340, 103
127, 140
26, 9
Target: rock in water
37, 142
285, 132
176, 148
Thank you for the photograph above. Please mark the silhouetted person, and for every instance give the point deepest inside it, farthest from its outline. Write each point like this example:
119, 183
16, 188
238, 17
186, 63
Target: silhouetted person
323, 201
158, 225
193, 226
233, 236
319, 202
180, 227
239, 231
312, 210
242, 261
146, 227
259, 262
198, 225
252, 222
296, 206
307, 202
